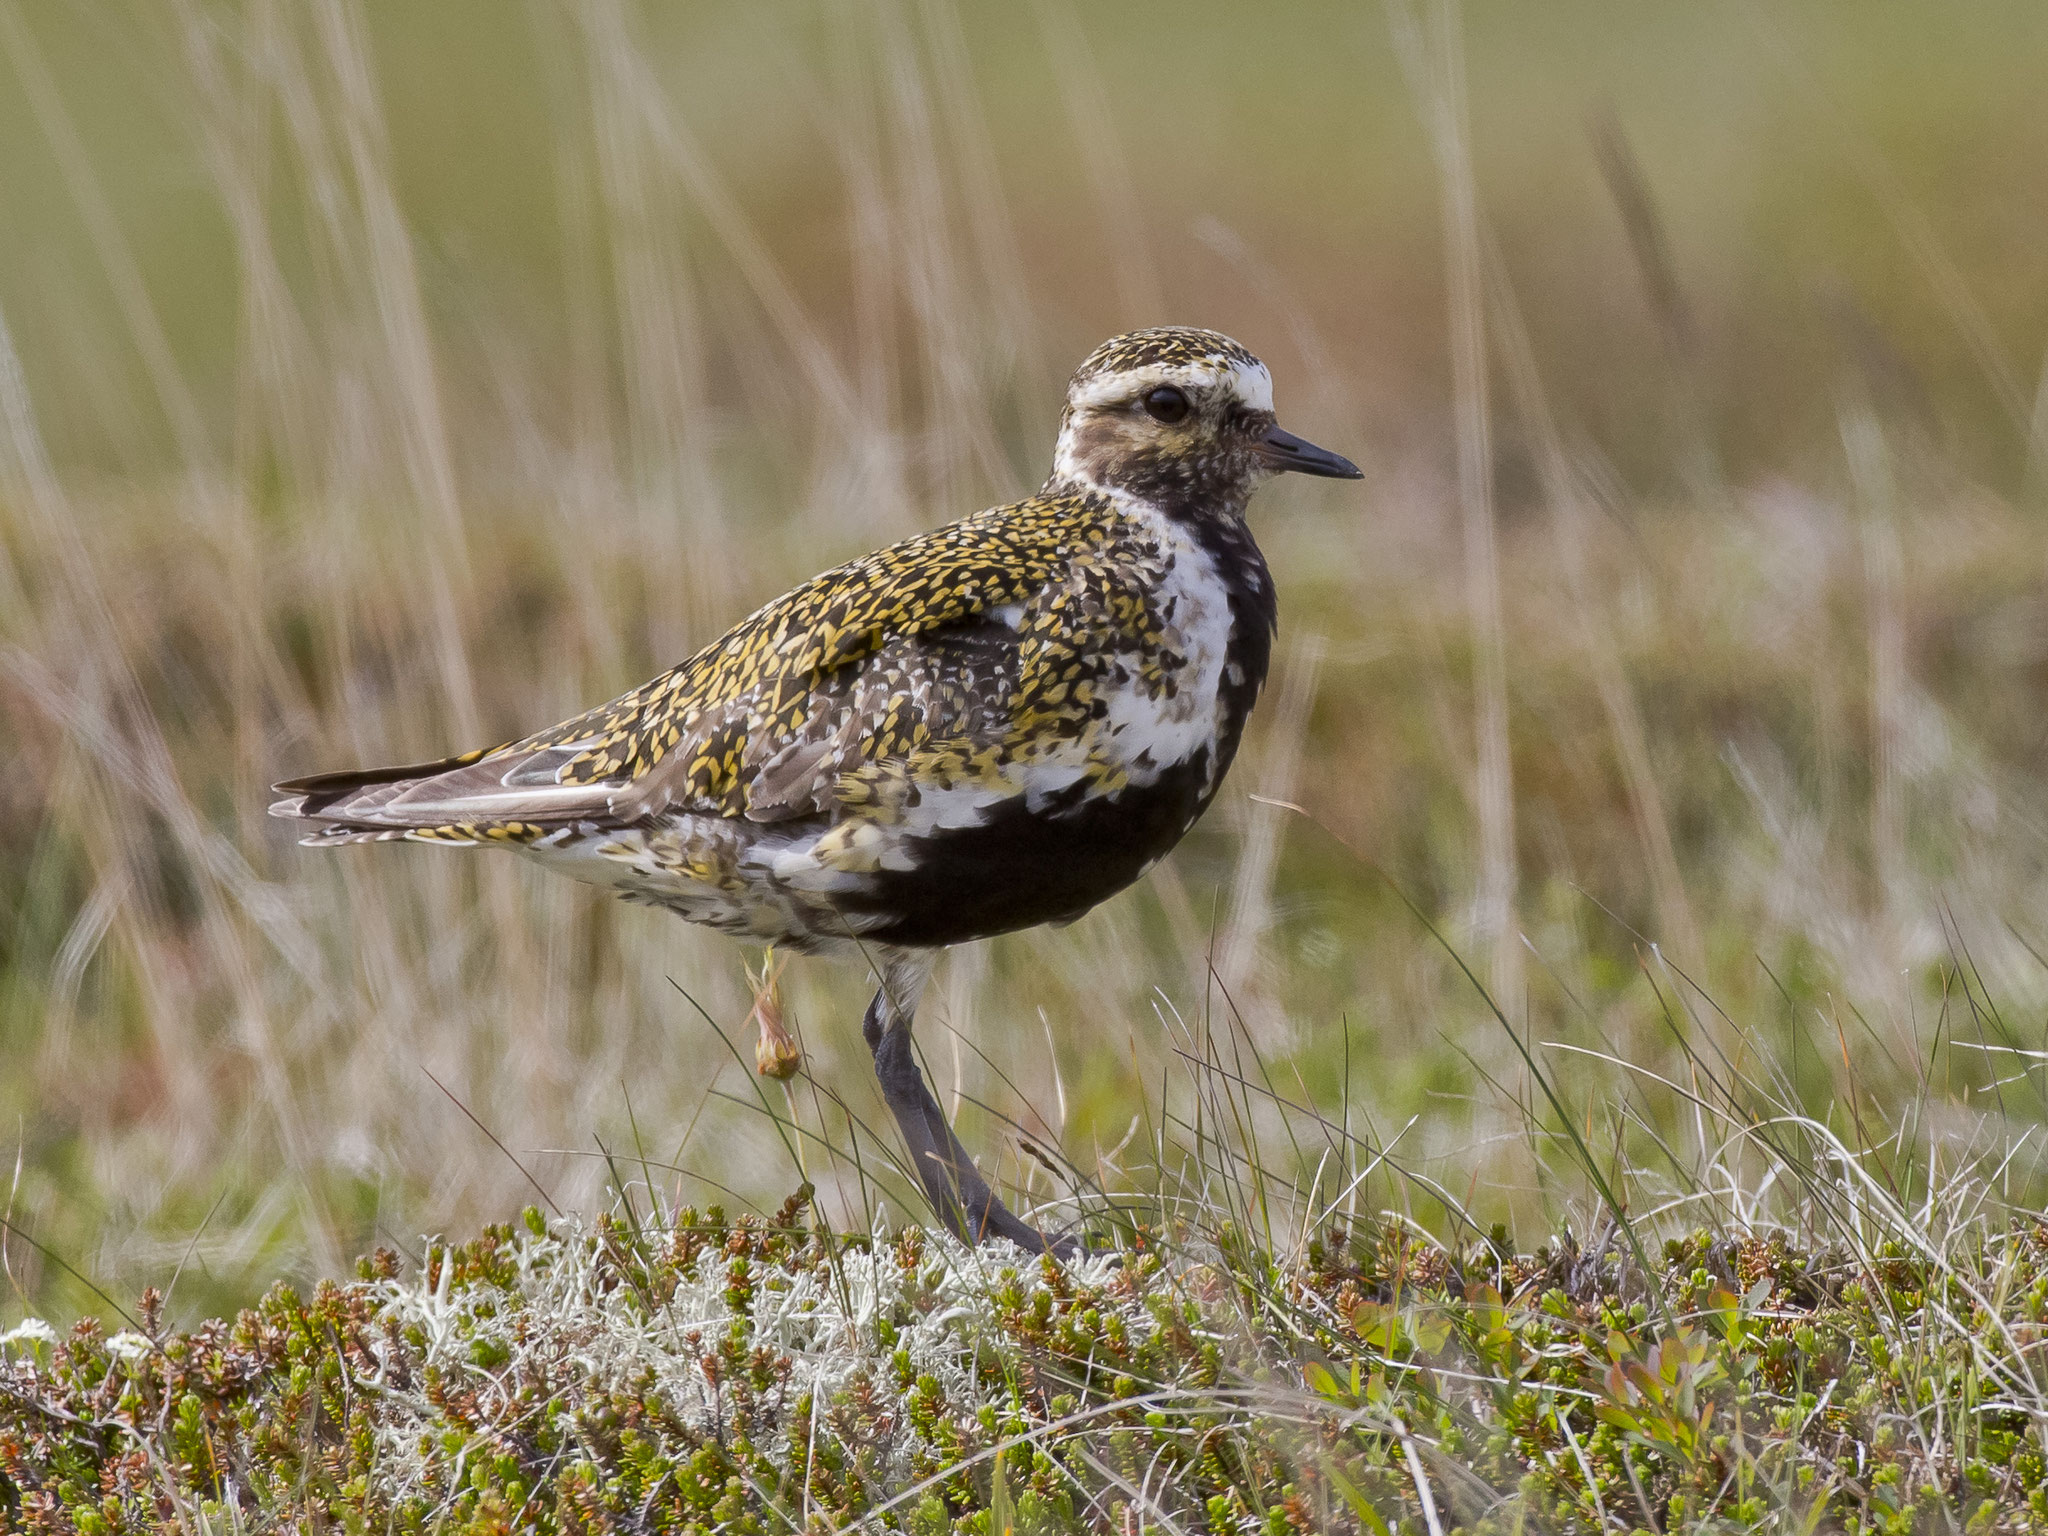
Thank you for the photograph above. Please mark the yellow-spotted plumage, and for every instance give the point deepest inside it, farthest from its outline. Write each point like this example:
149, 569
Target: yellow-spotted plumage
990, 725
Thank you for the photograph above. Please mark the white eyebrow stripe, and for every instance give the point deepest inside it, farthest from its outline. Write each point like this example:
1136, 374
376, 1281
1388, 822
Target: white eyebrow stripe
1252, 384
1129, 383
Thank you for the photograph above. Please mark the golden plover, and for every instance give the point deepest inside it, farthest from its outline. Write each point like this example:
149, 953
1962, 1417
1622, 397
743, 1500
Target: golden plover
996, 724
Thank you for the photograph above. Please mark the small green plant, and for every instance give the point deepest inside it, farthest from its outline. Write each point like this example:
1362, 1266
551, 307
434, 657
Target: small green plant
758, 1375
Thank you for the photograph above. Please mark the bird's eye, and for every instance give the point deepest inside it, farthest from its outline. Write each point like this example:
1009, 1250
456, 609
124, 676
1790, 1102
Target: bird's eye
1166, 404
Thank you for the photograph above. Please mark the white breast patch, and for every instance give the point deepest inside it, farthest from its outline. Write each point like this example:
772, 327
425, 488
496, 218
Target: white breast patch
1146, 735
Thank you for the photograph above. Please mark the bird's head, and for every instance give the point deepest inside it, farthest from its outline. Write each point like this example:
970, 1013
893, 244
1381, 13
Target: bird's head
1180, 418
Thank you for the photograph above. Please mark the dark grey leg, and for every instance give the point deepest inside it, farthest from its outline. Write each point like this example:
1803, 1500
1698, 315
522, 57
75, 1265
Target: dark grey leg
958, 1192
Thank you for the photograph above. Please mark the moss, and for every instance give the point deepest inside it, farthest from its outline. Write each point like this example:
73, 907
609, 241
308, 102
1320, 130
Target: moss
752, 1376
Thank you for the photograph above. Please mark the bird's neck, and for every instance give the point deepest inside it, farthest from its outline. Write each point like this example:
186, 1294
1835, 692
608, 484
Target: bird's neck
1092, 454
1220, 532
1239, 568
1171, 493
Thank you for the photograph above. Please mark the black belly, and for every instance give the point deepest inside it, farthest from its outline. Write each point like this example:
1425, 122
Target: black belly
1024, 867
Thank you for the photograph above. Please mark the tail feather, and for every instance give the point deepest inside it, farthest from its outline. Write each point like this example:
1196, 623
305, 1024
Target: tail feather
316, 792
347, 802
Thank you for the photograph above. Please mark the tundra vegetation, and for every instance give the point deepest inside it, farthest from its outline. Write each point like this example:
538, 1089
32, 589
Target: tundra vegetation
1590, 1069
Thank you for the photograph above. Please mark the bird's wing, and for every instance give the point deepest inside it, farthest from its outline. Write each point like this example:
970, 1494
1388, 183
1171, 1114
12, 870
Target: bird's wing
874, 659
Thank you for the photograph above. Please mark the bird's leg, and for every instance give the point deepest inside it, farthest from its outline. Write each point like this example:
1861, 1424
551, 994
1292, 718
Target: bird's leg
956, 1188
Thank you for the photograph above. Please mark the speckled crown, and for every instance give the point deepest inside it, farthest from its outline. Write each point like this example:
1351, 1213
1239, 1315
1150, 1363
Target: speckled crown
1163, 346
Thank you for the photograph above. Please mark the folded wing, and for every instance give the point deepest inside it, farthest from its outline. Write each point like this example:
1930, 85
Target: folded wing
875, 659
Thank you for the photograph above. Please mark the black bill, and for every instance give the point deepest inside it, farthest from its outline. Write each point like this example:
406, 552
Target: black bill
1283, 450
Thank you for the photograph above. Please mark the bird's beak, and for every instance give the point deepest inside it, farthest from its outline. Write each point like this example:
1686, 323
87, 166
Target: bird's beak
1283, 450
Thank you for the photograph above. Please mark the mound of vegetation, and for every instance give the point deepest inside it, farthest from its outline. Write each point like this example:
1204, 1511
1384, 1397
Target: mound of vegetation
763, 1375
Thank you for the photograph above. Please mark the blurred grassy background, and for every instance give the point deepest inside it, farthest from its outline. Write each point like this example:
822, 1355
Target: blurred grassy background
382, 379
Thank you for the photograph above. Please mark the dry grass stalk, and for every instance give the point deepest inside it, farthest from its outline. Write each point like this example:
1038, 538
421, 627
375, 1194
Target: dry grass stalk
1432, 55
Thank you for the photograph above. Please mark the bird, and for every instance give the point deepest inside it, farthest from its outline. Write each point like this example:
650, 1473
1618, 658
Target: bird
992, 725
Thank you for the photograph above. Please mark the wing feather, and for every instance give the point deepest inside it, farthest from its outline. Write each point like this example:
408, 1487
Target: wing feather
874, 660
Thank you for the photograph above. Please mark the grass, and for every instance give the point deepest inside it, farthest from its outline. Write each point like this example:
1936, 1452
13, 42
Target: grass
1823, 1349
376, 381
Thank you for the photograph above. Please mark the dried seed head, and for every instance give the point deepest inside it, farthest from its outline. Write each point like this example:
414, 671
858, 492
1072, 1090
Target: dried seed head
776, 1053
